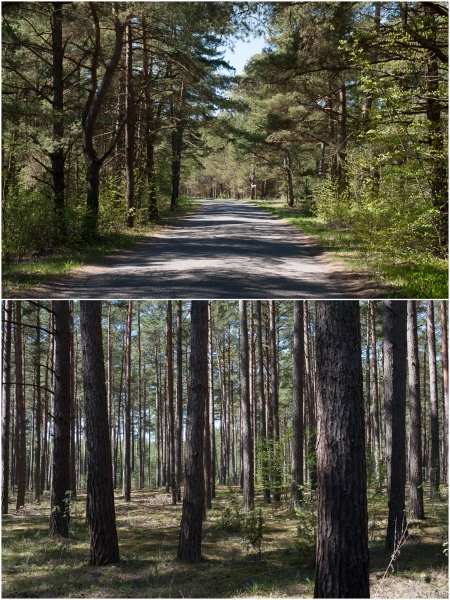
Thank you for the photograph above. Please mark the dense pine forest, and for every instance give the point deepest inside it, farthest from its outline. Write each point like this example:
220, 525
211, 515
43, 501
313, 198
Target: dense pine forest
115, 113
283, 447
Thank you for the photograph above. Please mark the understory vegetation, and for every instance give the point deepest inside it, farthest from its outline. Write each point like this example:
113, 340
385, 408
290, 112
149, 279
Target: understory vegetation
21, 275
402, 273
281, 564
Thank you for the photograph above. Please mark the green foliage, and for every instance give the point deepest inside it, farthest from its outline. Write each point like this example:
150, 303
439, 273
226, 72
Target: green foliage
254, 530
232, 518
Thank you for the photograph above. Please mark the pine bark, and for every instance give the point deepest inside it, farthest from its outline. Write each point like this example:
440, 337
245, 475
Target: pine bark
247, 454
262, 406
416, 509
20, 441
129, 127
179, 406
37, 417
6, 401
104, 547
170, 407
297, 407
394, 372
445, 385
189, 547
60, 509
434, 414
342, 558
126, 483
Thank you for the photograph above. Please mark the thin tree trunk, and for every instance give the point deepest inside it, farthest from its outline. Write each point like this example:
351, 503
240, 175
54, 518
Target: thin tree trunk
376, 399
129, 127
20, 477
297, 406
37, 418
171, 413
445, 386
6, 401
416, 510
179, 407
247, 454
434, 416
126, 482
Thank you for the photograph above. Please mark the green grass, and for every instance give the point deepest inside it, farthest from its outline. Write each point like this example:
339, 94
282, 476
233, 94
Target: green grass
22, 277
417, 275
36, 565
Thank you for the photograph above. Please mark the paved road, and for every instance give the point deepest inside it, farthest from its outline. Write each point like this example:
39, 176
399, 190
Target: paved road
225, 249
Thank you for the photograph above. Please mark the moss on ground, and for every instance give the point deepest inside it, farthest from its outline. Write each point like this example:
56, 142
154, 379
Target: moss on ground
36, 565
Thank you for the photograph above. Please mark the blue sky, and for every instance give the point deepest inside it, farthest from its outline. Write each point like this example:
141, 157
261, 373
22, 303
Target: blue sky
242, 52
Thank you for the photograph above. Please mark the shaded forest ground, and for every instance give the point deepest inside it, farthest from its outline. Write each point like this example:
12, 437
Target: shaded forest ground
35, 565
18, 279
402, 275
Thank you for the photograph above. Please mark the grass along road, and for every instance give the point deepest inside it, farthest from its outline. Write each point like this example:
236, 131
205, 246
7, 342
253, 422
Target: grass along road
401, 273
225, 249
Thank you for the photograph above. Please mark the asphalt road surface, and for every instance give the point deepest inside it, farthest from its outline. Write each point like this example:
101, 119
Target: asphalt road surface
224, 249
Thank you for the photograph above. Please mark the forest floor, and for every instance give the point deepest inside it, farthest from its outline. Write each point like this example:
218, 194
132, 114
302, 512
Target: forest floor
36, 565
401, 273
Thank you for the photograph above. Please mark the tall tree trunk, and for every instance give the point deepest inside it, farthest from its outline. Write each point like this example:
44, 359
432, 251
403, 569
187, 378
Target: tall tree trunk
60, 509
57, 156
73, 478
126, 482
445, 385
297, 406
179, 408
90, 115
171, 413
21, 448
149, 137
376, 399
104, 546
247, 454
141, 416
394, 371
312, 433
434, 416
262, 408
342, 558
416, 510
276, 473
189, 547
37, 418
129, 127
212, 437
6, 401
